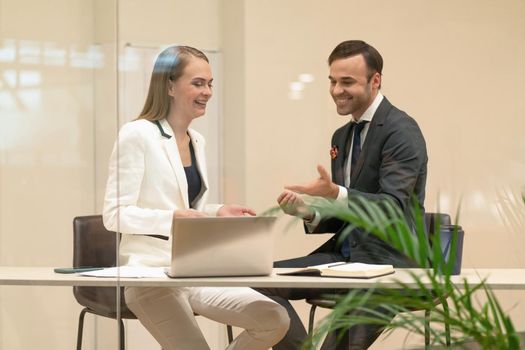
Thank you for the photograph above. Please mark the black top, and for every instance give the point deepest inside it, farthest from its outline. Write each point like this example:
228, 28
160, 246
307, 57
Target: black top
193, 177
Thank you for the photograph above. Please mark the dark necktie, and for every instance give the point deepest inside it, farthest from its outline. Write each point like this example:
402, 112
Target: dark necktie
356, 145
356, 151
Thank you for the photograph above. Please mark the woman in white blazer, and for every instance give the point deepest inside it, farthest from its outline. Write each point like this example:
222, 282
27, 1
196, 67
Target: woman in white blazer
157, 174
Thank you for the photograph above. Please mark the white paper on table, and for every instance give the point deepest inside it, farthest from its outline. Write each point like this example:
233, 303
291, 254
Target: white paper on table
127, 272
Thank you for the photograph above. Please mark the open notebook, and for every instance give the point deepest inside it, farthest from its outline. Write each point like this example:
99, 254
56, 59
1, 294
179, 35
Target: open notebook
344, 269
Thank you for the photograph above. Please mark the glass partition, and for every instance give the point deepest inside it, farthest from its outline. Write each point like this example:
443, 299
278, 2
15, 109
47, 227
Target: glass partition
73, 72
58, 114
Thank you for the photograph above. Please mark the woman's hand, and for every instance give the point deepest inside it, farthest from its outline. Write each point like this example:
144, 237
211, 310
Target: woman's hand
235, 210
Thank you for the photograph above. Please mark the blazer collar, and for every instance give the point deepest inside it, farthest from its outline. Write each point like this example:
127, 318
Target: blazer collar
172, 152
198, 146
338, 162
163, 127
376, 125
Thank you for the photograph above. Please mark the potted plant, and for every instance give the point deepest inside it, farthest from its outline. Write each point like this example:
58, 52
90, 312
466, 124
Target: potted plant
483, 322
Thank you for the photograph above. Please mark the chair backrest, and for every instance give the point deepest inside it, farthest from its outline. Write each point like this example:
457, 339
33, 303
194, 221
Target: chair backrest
447, 230
433, 219
95, 246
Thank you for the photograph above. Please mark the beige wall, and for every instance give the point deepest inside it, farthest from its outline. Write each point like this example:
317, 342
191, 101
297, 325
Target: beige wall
456, 67
233, 48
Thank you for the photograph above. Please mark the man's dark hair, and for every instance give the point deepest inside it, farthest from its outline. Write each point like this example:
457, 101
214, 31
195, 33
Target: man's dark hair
349, 48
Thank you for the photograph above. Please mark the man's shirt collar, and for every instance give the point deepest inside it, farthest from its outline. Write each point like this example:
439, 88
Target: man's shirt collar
371, 110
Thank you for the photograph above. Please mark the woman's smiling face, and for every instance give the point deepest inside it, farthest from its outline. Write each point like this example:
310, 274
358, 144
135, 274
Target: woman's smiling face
191, 92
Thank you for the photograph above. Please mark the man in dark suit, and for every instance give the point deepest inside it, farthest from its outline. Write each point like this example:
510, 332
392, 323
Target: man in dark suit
380, 154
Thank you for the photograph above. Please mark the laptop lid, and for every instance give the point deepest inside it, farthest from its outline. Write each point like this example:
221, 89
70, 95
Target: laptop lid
222, 246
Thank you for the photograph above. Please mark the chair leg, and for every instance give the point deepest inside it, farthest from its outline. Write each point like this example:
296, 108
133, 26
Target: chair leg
447, 322
122, 337
311, 319
80, 328
427, 329
229, 330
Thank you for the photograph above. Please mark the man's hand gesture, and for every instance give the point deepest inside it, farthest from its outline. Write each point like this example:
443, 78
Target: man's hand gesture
292, 204
321, 187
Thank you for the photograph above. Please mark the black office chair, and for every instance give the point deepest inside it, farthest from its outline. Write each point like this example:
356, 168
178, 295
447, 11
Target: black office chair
431, 220
95, 246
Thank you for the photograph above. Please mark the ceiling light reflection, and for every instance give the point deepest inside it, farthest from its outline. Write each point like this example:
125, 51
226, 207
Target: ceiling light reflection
306, 78
29, 52
10, 78
30, 78
53, 55
49, 53
8, 51
296, 86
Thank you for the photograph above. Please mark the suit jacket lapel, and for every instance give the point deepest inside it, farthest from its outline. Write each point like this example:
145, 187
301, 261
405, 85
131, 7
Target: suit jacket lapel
200, 156
378, 120
339, 161
172, 151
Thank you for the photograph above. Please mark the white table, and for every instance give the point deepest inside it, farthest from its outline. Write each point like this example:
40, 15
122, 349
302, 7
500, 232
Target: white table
504, 279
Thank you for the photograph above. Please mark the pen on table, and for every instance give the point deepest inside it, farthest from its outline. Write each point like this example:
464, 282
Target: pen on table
76, 269
337, 264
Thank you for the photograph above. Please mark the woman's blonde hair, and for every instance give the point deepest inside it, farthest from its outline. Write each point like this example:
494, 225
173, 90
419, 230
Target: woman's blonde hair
169, 66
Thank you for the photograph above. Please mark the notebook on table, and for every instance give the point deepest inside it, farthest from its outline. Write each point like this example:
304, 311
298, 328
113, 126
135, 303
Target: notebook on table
222, 246
344, 269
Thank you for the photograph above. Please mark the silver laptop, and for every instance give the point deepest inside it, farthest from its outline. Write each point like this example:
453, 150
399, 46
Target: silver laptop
222, 246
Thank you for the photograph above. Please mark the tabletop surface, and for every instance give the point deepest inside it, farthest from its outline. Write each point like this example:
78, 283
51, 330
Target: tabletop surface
507, 279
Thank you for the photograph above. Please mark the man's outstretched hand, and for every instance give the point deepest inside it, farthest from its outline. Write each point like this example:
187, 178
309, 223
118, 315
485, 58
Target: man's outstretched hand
321, 187
292, 204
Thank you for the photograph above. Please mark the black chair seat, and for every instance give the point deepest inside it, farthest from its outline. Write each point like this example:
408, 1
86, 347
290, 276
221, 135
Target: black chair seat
102, 301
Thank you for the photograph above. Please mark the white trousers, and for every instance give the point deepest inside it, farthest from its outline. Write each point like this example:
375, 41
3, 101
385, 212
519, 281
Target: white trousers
168, 314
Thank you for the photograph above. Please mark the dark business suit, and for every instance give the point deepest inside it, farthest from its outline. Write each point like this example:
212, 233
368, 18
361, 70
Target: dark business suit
392, 164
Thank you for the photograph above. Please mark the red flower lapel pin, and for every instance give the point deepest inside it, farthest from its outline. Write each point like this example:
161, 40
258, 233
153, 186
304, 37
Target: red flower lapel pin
333, 152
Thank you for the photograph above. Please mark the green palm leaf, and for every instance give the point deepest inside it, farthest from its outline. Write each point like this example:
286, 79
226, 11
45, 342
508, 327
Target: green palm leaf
486, 323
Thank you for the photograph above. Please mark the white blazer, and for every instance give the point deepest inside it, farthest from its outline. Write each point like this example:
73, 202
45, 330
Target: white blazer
146, 184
